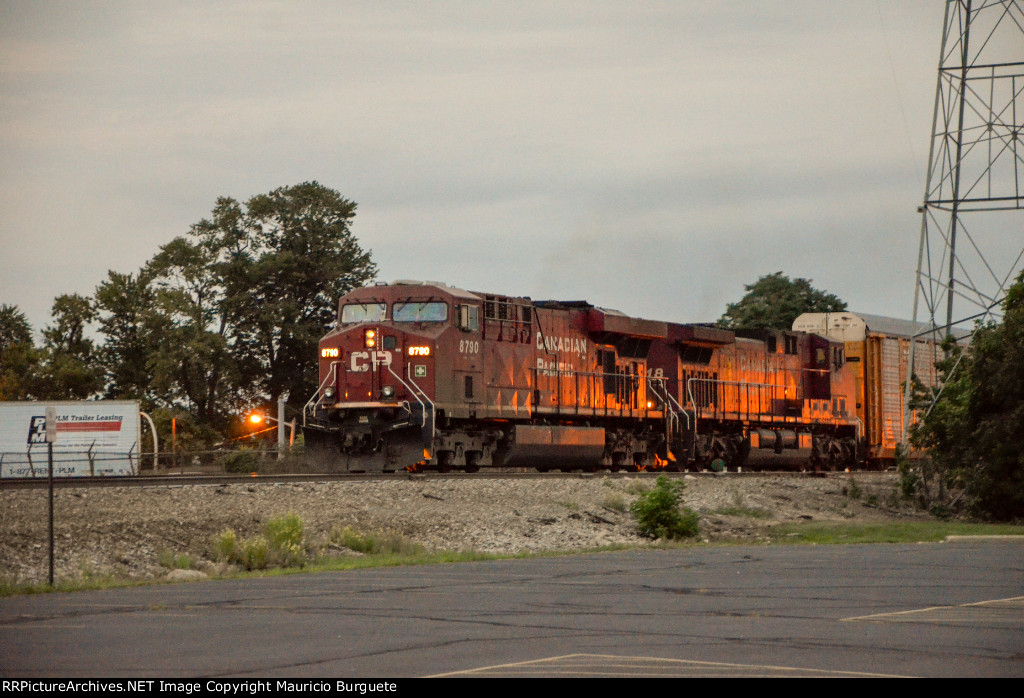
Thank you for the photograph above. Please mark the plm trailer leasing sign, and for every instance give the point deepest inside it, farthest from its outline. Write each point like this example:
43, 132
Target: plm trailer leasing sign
99, 437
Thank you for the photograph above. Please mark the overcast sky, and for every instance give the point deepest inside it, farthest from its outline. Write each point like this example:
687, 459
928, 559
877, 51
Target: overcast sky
648, 156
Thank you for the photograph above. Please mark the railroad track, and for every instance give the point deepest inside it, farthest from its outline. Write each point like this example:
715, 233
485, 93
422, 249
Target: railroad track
193, 478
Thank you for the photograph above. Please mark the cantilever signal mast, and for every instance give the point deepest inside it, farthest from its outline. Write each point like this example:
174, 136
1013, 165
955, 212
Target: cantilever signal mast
972, 230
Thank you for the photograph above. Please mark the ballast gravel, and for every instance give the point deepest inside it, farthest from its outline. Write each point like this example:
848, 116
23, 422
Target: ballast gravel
132, 532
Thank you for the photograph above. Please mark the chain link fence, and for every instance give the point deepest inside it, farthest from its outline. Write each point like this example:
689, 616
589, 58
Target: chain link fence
34, 463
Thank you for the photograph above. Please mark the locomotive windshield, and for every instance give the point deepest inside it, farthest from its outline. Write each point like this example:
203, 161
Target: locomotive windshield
363, 312
430, 311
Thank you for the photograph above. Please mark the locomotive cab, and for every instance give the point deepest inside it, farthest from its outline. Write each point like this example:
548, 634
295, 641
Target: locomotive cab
379, 396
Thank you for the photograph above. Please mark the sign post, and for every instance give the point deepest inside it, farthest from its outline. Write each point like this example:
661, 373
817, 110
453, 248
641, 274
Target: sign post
51, 436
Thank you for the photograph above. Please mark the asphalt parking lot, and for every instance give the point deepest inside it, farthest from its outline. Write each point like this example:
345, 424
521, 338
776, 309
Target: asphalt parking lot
942, 609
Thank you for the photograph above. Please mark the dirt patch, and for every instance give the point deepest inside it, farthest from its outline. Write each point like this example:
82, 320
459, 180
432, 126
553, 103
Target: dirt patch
132, 532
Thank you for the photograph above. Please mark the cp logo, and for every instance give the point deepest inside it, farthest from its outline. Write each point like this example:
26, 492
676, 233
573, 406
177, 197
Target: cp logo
360, 361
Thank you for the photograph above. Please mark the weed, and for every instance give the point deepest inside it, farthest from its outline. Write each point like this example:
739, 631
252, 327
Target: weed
749, 512
282, 545
353, 540
910, 480
852, 489
637, 487
614, 501
254, 553
225, 546
182, 561
375, 543
285, 541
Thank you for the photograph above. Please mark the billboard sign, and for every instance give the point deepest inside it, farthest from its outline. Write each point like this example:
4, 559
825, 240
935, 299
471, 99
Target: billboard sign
99, 437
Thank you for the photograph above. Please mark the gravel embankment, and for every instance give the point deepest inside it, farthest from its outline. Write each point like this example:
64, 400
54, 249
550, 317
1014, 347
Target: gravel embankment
124, 531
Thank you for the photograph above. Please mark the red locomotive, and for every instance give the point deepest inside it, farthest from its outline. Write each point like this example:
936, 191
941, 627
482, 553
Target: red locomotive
423, 375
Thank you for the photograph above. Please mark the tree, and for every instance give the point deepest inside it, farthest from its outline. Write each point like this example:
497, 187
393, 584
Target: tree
192, 340
973, 432
230, 314
125, 303
19, 359
775, 301
70, 367
283, 261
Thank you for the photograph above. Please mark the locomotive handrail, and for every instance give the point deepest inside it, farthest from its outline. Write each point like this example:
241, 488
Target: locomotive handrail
433, 422
412, 391
315, 399
558, 374
416, 391
672, 405
744, 384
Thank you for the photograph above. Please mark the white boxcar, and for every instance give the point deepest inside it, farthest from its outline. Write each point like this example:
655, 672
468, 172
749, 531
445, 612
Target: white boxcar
98, 437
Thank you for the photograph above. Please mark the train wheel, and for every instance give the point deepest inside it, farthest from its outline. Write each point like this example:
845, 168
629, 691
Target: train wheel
472, 461
618, 462
444, 461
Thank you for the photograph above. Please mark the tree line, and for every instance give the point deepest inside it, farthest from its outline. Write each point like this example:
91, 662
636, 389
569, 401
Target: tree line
220, 320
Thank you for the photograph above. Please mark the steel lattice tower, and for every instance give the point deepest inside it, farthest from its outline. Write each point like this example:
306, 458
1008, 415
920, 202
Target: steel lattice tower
972, 233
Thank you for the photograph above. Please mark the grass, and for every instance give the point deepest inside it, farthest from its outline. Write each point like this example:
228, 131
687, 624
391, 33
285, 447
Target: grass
376, 543
909, 532
84, 583
748, 512
181, 561
615, 501
391, 549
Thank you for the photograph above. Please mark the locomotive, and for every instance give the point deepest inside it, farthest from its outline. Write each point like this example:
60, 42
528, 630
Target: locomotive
421, 375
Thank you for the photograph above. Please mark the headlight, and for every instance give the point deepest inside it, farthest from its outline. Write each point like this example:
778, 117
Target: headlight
387, 391
329, 392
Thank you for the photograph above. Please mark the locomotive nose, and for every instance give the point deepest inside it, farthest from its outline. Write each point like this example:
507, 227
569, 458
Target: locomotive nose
370, 363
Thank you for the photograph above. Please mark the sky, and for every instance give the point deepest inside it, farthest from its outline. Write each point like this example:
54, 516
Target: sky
652, 157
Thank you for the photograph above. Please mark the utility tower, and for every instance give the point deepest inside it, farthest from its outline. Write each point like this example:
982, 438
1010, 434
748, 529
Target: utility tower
972, 227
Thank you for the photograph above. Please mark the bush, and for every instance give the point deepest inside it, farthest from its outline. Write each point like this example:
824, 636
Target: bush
658, 513
282, 545
254, 553
225, 546
239, 462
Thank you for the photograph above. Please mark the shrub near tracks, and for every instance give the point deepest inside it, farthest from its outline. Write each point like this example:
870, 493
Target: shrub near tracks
658, 513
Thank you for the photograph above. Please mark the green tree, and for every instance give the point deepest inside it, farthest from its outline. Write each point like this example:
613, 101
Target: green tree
191, 339
973, 431
70, 367
125, 303
19, 358
230, 314
775, 301
282, 262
